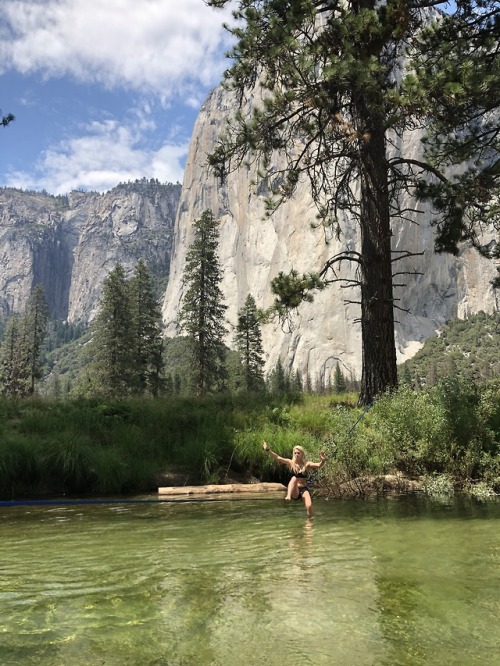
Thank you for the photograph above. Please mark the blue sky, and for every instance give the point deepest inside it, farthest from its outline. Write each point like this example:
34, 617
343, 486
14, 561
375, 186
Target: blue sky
103, 91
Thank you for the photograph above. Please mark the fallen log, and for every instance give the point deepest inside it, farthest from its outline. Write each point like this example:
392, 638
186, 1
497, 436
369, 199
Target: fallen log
248, 488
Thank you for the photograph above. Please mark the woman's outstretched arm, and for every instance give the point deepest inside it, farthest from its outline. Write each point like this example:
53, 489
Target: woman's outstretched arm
318, 465
276, 457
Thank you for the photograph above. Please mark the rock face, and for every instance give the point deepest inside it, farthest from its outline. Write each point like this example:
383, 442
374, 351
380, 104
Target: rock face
70, 244
253, 250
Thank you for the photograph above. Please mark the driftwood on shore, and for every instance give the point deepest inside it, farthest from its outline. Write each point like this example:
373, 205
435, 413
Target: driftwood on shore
248, 488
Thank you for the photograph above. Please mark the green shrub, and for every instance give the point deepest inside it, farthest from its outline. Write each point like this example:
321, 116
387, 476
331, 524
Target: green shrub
438, 485
347, 451
468, 434
405, 431
489, 413
480, 491
110, 472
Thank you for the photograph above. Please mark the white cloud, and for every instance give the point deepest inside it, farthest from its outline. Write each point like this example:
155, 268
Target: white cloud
165, 47
106, 153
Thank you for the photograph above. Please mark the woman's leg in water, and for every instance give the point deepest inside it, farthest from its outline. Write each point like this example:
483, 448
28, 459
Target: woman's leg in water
306, 498
293, 489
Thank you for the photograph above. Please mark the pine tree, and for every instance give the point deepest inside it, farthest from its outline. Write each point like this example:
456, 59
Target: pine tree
113, 370
146, 332
296, 382
432, 375
35, 323
457, 61
320, 387
10, 359
202, 314
249, 346
336, 104
339, 383
277, 380
406, 376
21, 355
308, 385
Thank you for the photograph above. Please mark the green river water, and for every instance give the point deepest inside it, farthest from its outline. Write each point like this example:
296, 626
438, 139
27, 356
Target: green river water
248, 582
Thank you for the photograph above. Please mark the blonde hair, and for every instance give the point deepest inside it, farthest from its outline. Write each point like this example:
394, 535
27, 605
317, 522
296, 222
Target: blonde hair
301, 449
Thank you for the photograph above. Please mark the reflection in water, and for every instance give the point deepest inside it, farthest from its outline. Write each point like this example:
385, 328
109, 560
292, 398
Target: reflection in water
301, 541
365, 583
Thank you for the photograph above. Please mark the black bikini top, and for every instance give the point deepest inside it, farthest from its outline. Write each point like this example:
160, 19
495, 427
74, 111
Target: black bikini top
299, 475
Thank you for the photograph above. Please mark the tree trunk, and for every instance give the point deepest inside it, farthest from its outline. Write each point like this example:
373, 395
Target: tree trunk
379, 371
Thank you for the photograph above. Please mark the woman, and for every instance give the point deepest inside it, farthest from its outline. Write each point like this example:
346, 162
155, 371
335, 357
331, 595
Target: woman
297, 487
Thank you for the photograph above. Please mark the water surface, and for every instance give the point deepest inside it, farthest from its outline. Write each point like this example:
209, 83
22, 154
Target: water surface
394, 581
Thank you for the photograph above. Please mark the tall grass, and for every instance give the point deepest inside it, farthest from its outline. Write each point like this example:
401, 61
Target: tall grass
66, 461
20, 467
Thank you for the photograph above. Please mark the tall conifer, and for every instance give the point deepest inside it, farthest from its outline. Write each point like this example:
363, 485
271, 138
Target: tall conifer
21, 353
34, 331
146, 331
335, 105
339, 383
113, 369
10, 359
249, 345
203, 311
278, 380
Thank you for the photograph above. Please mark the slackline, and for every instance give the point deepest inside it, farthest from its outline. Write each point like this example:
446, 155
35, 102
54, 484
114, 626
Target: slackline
167, 500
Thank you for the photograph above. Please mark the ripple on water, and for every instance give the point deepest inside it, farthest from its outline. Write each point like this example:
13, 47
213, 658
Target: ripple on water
249, 582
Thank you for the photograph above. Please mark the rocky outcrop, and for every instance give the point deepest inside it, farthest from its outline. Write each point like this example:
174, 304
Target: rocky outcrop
253, 250
70, 244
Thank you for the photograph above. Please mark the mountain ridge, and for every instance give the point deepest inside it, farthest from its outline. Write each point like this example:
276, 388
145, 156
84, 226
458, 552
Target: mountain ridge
68, 244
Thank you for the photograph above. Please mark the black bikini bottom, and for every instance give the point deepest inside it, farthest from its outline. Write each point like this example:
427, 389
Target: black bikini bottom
302, 490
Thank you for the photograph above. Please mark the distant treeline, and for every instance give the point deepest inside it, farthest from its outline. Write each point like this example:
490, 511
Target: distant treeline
464, 346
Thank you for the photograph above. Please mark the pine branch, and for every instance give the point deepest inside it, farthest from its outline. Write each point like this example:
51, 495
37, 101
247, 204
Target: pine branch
405, 254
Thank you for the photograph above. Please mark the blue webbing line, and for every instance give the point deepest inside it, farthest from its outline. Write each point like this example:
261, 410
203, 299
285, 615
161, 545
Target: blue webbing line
368, 406
74, 502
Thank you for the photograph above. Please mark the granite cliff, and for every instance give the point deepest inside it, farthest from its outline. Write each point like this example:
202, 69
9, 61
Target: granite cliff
253, 250
69, 244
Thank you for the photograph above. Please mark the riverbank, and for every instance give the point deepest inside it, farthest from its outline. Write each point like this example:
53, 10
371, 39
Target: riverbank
448, 436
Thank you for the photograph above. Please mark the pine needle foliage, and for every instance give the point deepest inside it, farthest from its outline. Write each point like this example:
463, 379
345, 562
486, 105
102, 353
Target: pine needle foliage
113, 368
203, 311
21, 356
126, 345
249, 345
146, 332
35, 329
334, 87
